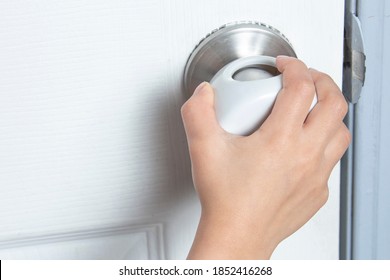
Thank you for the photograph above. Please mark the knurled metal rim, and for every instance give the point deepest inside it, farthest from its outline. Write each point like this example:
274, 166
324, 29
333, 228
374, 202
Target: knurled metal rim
216, 33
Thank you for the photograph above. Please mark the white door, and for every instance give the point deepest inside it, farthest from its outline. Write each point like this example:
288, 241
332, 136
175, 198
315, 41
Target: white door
93, 156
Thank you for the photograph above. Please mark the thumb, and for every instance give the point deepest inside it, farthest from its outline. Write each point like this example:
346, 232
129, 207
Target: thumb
198, 114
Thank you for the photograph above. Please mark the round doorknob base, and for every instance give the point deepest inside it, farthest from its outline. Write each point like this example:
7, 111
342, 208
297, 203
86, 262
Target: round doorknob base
228, 43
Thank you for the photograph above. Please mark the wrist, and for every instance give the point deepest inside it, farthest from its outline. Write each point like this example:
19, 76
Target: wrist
230, 238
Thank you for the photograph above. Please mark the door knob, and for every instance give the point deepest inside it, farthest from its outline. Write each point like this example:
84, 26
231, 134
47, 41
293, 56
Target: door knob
238, 60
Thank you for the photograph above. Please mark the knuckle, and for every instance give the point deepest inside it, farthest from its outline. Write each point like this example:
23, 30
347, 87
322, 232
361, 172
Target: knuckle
323, 195
296, 63
339, 105
304, 86
347, 136
187, 108
325, 76
319, 190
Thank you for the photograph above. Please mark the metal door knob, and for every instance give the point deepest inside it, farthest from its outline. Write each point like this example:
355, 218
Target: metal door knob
238, 60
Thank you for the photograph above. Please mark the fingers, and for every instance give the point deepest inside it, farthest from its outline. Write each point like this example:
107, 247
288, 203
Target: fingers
337, 146
198, 114
327, 115
293, 101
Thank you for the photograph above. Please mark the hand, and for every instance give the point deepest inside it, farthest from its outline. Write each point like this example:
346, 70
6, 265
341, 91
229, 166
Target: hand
257, 190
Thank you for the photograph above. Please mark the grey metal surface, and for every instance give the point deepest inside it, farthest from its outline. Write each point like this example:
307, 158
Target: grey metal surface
354, 57
346, 192
347, 162
371, 203
229, 42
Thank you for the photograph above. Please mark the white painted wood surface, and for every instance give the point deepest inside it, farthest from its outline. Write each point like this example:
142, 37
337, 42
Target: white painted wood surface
93, 159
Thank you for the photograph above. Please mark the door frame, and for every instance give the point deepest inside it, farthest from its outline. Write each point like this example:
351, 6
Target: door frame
365, 192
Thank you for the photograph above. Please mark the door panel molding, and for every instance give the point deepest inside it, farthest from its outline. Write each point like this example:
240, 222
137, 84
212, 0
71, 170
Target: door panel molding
130, 242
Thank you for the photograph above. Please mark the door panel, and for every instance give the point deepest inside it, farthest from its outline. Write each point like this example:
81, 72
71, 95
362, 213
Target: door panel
93, 156
130, 243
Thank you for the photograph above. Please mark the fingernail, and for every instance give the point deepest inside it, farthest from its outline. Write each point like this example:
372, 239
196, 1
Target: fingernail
200, 87
313, 69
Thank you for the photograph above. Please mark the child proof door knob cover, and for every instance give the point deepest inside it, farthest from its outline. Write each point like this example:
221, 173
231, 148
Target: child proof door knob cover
245, 91
238, 60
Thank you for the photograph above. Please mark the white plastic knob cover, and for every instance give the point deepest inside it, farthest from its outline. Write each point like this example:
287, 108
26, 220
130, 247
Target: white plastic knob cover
242, 106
